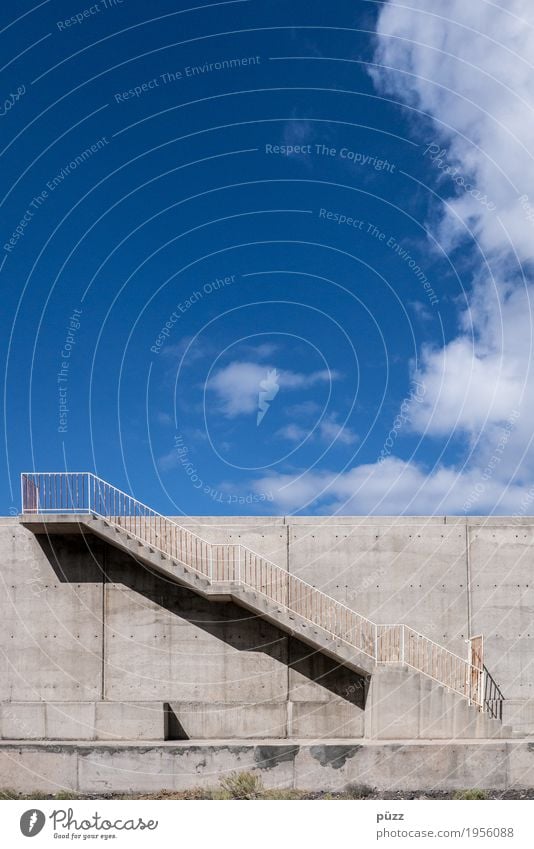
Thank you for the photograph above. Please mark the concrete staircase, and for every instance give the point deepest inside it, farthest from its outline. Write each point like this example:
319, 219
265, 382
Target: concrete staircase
416, 688
402, 704
234, 590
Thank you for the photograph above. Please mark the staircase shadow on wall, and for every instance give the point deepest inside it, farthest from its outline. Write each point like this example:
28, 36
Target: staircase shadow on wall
84, 558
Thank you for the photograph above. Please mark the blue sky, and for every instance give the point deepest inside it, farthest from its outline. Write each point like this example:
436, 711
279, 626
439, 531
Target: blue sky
268, 257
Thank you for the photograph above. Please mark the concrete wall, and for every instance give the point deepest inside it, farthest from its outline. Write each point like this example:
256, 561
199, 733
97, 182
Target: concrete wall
400, 570
51, 634
81, 622
97, 720
502, 604
122, 768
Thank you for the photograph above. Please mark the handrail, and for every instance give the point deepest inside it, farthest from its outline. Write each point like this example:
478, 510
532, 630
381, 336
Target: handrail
89, 475
84, 492
158, 515
493, 696
428, 639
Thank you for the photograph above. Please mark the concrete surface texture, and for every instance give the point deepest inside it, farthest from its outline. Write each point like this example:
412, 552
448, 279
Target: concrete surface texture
114, 645
99, 768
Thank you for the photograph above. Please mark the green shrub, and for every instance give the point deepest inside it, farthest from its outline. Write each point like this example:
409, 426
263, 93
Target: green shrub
475, 793
241, 785
357, 791
282, 793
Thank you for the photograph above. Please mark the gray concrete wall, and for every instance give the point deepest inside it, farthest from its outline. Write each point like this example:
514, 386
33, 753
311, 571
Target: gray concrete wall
97, 720
502, 604
80, 622
406, 570
51, 634
122, 768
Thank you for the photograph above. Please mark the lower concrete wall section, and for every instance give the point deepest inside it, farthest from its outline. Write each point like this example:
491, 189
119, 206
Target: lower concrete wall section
177, 720
84, 721
123, 768
209, 721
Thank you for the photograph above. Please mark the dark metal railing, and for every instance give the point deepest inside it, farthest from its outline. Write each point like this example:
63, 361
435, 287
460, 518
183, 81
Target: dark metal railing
493, 697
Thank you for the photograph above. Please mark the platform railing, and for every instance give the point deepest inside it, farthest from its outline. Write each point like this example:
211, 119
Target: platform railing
84, 493
493, 697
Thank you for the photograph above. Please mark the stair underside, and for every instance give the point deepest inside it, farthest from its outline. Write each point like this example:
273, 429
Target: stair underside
251, 599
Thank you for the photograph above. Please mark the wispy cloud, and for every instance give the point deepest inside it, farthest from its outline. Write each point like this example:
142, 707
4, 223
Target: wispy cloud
421, 310
328, 430
332, 431
303, 409
259, 352
236, 387
293, 432
168, 461
186, 345
164, 419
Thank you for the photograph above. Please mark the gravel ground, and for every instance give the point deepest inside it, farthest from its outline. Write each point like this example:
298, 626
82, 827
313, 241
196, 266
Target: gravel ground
356, 793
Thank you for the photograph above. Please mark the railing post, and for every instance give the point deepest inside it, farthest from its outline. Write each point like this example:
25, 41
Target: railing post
210, 563
239, 550
376, 642
468, 685
402, 644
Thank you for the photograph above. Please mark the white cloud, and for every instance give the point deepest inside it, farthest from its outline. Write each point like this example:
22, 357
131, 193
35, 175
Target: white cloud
189, 346
237, 385
293, 432
421, 310
331, 431
470, 69
261, 351
328, 429
390, 488
465, 389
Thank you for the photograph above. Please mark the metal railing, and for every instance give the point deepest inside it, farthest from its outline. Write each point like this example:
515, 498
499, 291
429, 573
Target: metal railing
493, 697
82, 492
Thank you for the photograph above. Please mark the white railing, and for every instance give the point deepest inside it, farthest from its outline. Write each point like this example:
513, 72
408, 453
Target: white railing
83, 492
